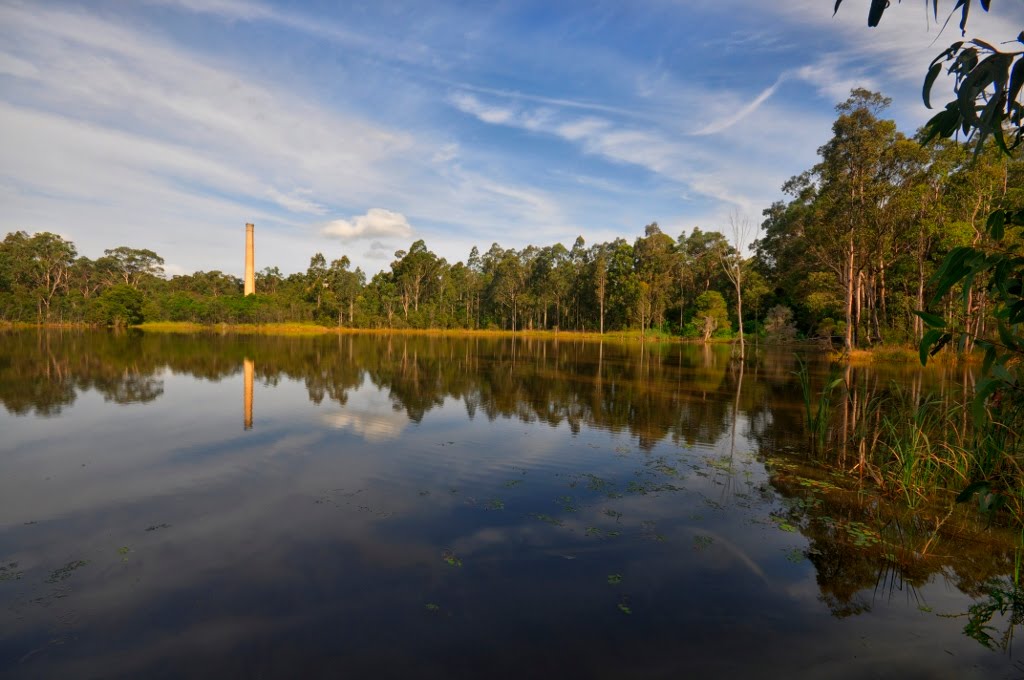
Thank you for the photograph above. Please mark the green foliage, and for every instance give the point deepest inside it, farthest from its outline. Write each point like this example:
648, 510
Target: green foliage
711, 316
996, 407
119, 305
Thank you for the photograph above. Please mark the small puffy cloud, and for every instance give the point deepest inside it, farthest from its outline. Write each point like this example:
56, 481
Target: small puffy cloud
495, 115
376, 222
376, 426
536, 120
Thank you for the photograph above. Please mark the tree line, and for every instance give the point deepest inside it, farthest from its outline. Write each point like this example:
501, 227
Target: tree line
849, 255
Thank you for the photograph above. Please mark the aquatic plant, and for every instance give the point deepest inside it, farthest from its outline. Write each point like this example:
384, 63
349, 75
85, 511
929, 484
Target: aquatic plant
9, 572
817, 420
65, 572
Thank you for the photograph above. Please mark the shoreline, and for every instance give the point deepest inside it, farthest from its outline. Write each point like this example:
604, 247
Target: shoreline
893, 354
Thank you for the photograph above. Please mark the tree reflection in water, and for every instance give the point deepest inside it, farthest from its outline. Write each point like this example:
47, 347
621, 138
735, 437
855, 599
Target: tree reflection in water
862, 546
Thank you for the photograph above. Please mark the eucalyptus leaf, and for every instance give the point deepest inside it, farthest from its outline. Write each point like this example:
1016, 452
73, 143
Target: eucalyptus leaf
929, 80
931, 320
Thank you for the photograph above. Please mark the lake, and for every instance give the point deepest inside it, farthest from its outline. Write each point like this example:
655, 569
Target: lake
426, 506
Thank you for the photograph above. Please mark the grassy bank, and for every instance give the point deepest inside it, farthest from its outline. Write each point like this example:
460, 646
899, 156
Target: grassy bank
245, 329
314, 329
880, 354
899, 354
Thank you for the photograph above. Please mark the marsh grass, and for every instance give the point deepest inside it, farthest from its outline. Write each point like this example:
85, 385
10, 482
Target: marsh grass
921, 447
817, 419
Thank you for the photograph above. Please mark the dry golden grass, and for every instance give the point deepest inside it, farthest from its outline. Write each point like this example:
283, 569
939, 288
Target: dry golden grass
314, 329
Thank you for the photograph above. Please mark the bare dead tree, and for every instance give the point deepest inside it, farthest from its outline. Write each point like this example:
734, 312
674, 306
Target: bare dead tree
740, 230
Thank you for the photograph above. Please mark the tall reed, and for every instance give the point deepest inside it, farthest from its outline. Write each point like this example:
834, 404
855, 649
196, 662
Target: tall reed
817, 421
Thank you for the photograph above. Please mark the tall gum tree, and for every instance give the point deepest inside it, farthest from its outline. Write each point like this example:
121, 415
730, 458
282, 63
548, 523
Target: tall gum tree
852, 179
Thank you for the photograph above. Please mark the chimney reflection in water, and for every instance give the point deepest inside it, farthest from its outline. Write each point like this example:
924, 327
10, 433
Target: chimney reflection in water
248, 369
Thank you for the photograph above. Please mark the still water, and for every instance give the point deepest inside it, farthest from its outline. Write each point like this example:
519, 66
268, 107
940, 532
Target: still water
401, 506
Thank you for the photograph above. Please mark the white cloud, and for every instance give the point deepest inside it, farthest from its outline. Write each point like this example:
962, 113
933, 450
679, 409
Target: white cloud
19, 68
296, 202
389, 47
376, 222
832, 80
113, 125
373, 426
447, 153
111, 129
725, 123
495, 115
743, 175
527, 119
582, 128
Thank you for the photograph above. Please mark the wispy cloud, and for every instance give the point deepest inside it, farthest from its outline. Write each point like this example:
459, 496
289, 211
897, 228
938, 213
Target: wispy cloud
727, 122
833, 80
389, 47
121, 119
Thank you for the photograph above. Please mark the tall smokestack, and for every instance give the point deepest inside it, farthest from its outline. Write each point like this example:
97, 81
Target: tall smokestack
248, 372
250, 260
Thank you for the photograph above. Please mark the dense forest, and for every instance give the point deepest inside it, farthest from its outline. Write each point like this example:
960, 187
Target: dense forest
849, 254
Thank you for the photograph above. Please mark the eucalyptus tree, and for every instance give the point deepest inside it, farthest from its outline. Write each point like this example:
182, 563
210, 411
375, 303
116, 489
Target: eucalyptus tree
508, 285
852, 185
415, 271
987, 88
699, 260
382, 298
890, 237
42, 264
344, 286
655, 256
132, 264
623, 283
577, 265
599, 275
475, 285
268, 280
88, 277
316, 279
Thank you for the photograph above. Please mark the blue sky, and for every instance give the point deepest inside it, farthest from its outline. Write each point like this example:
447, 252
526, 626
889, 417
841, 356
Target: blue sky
356, 127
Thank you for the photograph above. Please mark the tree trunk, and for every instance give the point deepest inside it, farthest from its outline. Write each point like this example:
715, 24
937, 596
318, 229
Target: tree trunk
848, 332
739, 319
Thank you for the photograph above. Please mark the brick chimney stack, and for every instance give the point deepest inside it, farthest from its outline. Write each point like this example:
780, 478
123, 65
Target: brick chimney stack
250, 261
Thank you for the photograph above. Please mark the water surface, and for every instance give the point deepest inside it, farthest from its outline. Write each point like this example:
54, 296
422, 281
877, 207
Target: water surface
397, 506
